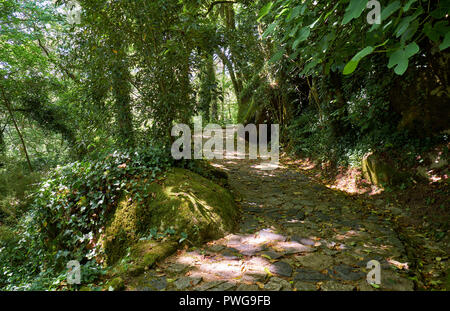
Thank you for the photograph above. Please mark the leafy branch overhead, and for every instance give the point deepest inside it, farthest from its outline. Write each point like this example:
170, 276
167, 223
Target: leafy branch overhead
339, 36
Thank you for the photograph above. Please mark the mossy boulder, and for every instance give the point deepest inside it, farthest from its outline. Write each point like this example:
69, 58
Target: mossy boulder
146, 253
115, 284
182, 200
375, 171
380, 172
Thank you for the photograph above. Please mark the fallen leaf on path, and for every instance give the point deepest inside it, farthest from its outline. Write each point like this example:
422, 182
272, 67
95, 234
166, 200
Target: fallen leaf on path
260, 285
399, 265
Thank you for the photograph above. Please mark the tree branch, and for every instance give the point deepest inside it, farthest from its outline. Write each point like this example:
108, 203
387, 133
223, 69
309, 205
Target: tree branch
213, 4
59, 65
230, 68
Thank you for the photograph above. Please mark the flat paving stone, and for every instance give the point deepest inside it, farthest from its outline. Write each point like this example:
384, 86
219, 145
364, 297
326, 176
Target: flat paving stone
293, 247
176, 268
208, 285
157, 284
248, 249
315, 261
185, 282
277, 284
322, 217
320, 238
226, 286
272, 255
281, 268
253, 277
363, 263
346, 273
334, 286
304, 286
271, 236
392, 281
309, 275
216, 248
247, 288
247, 228
302, 240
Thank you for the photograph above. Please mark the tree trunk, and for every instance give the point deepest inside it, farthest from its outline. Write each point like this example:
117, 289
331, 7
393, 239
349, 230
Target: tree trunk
122, 97
8, 107
2, 141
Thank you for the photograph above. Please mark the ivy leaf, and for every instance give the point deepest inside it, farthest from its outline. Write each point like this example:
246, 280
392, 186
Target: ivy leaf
303, 35
440, 12
277, 56
446, 43
354, 10
431, 33
310, 66
269, 30
409, 33
408, 5
400, 58
411, 49
353, 63
184, 236
294, 13
404, 24
390, 9
265, 10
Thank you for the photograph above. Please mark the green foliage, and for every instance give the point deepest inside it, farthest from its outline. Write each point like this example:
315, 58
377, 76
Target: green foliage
75, 200
335, 38
353, 63
352, 104
71, 95
68, 212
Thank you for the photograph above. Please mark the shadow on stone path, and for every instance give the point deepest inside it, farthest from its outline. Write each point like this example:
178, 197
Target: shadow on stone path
293, 235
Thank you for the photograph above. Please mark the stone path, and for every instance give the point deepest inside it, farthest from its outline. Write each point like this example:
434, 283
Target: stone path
293, 235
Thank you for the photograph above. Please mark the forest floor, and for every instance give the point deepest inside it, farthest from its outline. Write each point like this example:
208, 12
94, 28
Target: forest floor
294, 234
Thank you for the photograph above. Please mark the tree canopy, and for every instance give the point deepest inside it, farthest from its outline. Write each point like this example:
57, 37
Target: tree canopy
89, 85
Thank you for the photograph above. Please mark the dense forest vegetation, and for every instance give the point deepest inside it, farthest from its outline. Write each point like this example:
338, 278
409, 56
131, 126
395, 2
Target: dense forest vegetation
87, 106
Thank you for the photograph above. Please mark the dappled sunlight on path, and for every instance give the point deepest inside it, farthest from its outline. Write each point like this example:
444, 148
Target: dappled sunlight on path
294, 234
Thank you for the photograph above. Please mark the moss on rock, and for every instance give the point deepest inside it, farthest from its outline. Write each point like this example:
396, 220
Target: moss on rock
380, 172
116, 284
146, 253
182, 200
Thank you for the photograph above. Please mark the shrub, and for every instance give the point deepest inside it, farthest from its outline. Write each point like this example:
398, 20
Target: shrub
69, 211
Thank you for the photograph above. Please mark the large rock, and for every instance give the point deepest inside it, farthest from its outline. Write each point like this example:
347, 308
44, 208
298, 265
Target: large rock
182, 200
379, 172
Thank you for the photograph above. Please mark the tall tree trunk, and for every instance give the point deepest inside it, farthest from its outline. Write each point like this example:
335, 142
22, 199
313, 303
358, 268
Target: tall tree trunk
208, 90
8, 107
122, 98
2, 141
213, 87
229, 65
